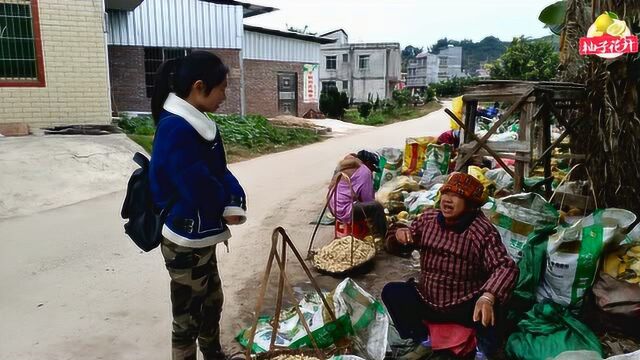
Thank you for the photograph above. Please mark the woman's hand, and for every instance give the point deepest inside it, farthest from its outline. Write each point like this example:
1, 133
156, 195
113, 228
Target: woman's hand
404, 236
233, 220
483, 311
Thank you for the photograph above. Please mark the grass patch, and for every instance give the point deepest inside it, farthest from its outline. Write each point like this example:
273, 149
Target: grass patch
244, 137
391, 115
146, 141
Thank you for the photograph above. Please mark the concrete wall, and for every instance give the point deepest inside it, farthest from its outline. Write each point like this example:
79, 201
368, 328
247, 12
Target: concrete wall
261, 86
343, 69
126, 64
450, 63
361, 88
378, 79
423, 70
75, 67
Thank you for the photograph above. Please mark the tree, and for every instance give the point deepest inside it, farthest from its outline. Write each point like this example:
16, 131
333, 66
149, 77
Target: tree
441, 44
333, 103
474, 53
409, 53
526, 60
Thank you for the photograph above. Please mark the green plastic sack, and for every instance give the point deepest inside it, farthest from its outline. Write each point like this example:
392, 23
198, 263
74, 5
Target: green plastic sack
516, 217
547, 331
573, 255
531, 265
359, 315
390, 166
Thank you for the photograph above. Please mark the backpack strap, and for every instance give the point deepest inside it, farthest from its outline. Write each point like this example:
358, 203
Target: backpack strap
141, 160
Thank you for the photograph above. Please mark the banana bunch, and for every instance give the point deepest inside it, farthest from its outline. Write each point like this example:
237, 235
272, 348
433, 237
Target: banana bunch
336, 256
295, 357
624, 264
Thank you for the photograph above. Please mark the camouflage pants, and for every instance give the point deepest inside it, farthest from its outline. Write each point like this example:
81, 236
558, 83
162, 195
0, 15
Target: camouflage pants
196, 299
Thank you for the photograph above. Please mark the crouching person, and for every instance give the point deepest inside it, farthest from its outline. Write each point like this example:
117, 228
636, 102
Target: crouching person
466, 274
358, 202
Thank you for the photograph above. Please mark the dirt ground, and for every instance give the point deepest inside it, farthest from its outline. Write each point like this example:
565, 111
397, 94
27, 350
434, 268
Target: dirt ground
74, 287
39, 173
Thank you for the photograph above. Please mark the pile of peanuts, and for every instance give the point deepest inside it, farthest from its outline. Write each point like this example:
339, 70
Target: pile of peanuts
336, 257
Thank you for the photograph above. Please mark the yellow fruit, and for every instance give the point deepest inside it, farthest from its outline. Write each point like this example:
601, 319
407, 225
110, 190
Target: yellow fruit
622, 268
603, 22
634, 280
611, 264
403, 215
618, 28
597, 33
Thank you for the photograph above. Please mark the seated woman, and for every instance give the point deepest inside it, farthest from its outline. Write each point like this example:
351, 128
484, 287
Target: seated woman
465, 275
359, 168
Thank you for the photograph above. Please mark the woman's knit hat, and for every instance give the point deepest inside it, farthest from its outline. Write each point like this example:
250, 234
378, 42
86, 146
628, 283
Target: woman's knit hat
466, 186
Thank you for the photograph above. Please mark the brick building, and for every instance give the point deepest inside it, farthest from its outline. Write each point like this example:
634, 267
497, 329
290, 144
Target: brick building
280, 71
53, 64
60, 64
266, 66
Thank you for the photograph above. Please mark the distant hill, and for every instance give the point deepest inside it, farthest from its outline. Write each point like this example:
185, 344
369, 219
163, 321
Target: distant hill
488, 50
553, 39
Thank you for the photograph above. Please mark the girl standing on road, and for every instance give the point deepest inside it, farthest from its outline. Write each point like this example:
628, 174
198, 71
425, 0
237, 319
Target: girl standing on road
189, 175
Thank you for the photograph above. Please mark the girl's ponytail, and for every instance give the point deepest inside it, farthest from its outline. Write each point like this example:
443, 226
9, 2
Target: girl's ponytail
163, 85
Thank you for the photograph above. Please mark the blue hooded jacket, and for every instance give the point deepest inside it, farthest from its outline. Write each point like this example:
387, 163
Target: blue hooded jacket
188, 165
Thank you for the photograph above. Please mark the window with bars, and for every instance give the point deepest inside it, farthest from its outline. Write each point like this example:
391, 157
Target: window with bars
20, 48
153, 58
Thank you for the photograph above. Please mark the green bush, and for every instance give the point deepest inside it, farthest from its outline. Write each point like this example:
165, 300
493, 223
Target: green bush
429, 94
375, 119
353, 116
452, 87
334, 103
365, 109
255, 132
139, 125
387, 106
401, 97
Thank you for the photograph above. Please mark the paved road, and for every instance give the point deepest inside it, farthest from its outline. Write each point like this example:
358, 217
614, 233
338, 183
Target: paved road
73, 287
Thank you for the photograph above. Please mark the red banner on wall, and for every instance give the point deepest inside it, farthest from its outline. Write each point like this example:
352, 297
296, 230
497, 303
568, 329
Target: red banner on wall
608, 45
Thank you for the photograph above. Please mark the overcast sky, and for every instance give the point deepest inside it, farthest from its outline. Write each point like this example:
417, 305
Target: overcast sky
409, 22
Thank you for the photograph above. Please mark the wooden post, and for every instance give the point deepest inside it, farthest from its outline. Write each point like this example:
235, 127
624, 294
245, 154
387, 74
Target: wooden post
470, 114
546, 143
524, 135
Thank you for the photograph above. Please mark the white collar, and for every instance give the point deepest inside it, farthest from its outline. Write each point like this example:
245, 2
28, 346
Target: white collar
197, 119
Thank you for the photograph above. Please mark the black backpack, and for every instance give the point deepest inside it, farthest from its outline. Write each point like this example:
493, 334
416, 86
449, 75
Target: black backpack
145, 222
